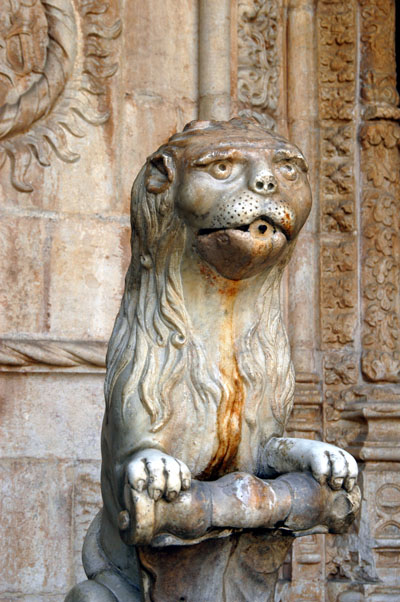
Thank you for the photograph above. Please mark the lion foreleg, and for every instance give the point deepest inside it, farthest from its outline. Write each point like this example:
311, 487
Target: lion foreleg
326, 462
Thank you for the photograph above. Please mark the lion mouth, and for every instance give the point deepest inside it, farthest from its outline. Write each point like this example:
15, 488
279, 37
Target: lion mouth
242, 251
260, 228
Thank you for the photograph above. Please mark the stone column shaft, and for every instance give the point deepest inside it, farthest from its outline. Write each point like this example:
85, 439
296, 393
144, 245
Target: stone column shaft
214, 59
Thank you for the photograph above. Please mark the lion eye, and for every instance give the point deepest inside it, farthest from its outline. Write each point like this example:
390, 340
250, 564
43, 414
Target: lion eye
221, 170
288, 170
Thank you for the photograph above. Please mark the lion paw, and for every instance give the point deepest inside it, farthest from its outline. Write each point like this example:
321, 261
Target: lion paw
160, 474
335, 466
327, 463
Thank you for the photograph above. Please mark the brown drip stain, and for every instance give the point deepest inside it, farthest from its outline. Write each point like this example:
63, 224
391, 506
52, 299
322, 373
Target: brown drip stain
229, 426
230, 409
287, 223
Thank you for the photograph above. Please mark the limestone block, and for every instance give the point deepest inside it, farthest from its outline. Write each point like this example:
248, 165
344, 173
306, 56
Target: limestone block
160, 64
23, 260
87, 502
35, 546
149, 120
88, 260
88, 186
57, 415
44, 194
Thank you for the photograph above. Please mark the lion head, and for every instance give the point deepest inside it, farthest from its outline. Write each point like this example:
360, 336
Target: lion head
221, 201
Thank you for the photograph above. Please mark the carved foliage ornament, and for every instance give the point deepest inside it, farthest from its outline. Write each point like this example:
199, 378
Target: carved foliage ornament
55, 60
258, 61
380, 216
337, 65
378, 69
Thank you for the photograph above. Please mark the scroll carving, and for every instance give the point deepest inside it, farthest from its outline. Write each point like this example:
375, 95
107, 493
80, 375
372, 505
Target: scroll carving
46, 88
258, 60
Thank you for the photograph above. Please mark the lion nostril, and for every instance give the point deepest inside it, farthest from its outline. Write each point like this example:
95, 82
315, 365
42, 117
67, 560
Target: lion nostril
264, 184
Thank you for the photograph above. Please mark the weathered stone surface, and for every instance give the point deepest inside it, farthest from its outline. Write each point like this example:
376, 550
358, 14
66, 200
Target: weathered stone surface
72, 406
36, 522
24, 266
158, 75
155, 116
87, 502
88, 259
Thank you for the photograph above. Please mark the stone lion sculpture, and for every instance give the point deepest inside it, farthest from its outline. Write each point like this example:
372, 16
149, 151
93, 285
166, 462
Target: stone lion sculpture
200, 383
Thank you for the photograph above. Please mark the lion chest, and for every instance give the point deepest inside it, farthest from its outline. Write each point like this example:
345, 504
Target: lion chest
229, 418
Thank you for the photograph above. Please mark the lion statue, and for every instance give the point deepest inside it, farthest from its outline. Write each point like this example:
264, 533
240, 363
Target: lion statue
199, 378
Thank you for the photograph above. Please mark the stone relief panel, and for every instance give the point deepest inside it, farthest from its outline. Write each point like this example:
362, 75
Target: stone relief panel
380, 163
338, 292
55, 59
378, 69
383, 486
359, 252
380, 244
338, 257
259, 59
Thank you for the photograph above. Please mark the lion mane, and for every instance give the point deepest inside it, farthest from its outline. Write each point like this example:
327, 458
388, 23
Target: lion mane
153, 348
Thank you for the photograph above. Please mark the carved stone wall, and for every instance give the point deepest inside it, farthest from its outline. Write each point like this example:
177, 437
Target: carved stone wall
88, 89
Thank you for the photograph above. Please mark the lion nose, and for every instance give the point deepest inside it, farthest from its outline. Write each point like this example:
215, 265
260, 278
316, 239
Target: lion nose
264, 183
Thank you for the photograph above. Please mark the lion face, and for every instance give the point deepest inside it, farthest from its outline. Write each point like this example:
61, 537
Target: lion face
244, 198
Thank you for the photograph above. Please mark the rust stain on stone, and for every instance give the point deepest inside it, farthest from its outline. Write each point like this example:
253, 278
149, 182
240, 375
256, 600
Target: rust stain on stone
287, 223
208, 274
230, 409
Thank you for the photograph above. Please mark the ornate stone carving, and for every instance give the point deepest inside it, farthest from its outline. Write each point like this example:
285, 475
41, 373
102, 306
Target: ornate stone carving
362, 415
337, 63
193, 396
258, 59
338, 259
381, 367
54, 65
338, 292
340, 369
380, 241
382, 488
380, 163
337, 52
378, 68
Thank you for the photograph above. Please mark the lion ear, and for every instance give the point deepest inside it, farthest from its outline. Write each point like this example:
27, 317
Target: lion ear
160, 172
